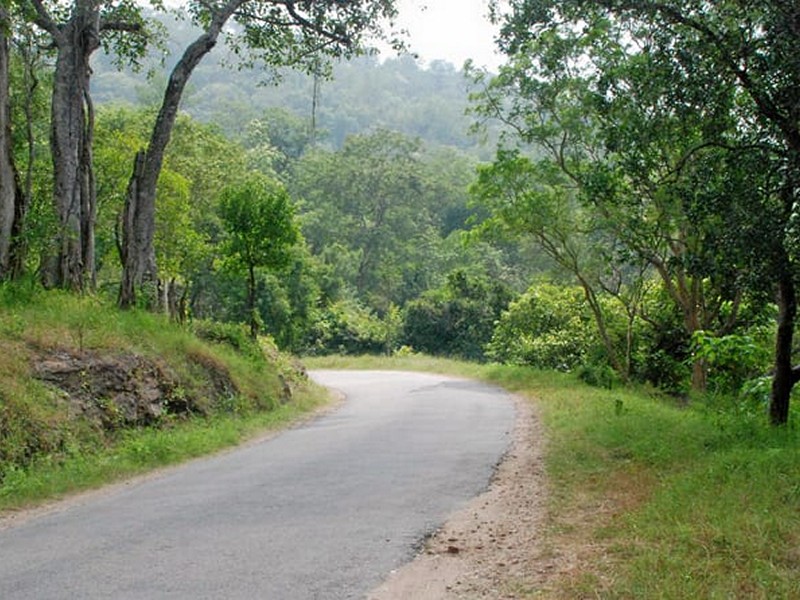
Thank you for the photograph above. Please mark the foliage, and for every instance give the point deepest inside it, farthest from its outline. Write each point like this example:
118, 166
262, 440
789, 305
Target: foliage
548, 327
732, 360
258, 218
457, 319
367, 199
347, 327
231, 334
636, 161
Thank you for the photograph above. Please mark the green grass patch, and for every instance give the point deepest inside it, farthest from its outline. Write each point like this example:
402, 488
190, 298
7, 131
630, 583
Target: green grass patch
141, 450
60, 439
666, 501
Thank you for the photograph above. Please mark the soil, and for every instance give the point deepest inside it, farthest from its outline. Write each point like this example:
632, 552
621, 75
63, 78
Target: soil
493, 547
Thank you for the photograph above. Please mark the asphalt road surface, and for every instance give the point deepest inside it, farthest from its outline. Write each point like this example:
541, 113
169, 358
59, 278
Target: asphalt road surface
325, 510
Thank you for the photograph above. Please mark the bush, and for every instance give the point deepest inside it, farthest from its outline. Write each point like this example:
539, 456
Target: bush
732, 360
234, 335
456, 320
548, 327
347, 327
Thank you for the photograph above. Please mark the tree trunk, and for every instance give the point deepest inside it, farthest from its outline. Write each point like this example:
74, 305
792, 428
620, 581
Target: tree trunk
10, 193
251, 301
139, 221
785, 377
71, 131
599, 319
19, 244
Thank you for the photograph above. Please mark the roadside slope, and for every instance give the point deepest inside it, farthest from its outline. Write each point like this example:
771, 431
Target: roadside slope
89, 394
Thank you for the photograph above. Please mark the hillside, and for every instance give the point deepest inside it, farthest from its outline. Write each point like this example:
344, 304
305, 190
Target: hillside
362, 95
86, 390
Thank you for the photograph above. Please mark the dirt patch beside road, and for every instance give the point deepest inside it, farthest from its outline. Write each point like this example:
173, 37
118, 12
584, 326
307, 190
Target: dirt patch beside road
493, 548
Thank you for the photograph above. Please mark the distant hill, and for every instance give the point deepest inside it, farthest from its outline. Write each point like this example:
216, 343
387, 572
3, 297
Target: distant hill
366, 93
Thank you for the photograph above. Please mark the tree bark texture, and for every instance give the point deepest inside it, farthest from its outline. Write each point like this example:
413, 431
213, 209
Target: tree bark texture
785, 376
139, 269
10, 193
71, 132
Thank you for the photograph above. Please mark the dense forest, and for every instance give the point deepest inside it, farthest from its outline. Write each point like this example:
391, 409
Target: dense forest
619, 200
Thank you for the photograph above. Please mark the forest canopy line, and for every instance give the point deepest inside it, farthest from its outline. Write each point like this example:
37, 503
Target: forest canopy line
636, 224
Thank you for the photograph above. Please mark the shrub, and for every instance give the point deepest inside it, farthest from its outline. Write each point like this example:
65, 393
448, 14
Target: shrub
548, 327
456, 320
347, 327
234, 335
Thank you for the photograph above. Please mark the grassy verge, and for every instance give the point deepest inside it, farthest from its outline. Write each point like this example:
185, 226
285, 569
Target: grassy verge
656, 500
141, 450
53, 443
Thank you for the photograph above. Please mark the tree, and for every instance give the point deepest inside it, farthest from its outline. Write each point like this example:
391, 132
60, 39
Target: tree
76, 31
198, 165
670, 138
30, 89
539, 200
259, 222
10, 192
284, 33
456, 319
754, 47
364, 212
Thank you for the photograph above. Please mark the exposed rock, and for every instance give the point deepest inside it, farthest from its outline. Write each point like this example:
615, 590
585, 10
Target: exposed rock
218, 374
116, 390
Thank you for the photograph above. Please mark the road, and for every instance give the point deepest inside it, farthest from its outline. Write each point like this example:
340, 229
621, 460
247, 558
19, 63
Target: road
322, 511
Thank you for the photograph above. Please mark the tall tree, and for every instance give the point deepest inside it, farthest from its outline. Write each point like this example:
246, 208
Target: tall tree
77, 31
259, 221
364, 212
10, 193
284, 33
745, 51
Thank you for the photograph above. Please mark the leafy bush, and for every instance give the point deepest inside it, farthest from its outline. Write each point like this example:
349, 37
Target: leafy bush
732, 360
456, 320
548, 327
663, 352
347, 327
235, 335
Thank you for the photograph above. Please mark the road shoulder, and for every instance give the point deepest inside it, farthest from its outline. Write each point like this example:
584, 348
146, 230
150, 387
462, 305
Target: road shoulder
493, 545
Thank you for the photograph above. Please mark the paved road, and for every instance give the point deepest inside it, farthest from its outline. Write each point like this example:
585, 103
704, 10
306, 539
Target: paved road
323, 511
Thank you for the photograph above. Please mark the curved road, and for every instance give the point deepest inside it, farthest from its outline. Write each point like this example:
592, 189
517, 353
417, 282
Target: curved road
324, 511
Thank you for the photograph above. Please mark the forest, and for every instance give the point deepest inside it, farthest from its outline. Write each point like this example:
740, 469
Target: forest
619, 200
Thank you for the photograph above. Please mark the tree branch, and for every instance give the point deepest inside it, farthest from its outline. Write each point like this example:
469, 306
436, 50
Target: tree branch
305, 23
46, 22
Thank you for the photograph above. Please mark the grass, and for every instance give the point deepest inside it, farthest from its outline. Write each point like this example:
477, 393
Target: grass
659, 500
47, 449
142, 450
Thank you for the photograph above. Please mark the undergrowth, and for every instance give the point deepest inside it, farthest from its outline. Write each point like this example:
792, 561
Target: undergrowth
48, 447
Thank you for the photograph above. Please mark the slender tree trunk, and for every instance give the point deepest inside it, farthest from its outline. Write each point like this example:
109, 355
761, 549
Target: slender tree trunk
10, 193
600, 321
139, 221
19, 244
88, 196
251, 300
785, 376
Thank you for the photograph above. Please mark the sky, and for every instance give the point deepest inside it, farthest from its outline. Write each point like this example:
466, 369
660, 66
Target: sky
451, 30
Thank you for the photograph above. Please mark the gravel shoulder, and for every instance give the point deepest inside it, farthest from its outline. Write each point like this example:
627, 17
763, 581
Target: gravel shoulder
493, 547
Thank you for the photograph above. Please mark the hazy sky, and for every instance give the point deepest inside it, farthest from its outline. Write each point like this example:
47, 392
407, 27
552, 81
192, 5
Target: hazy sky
452, 30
